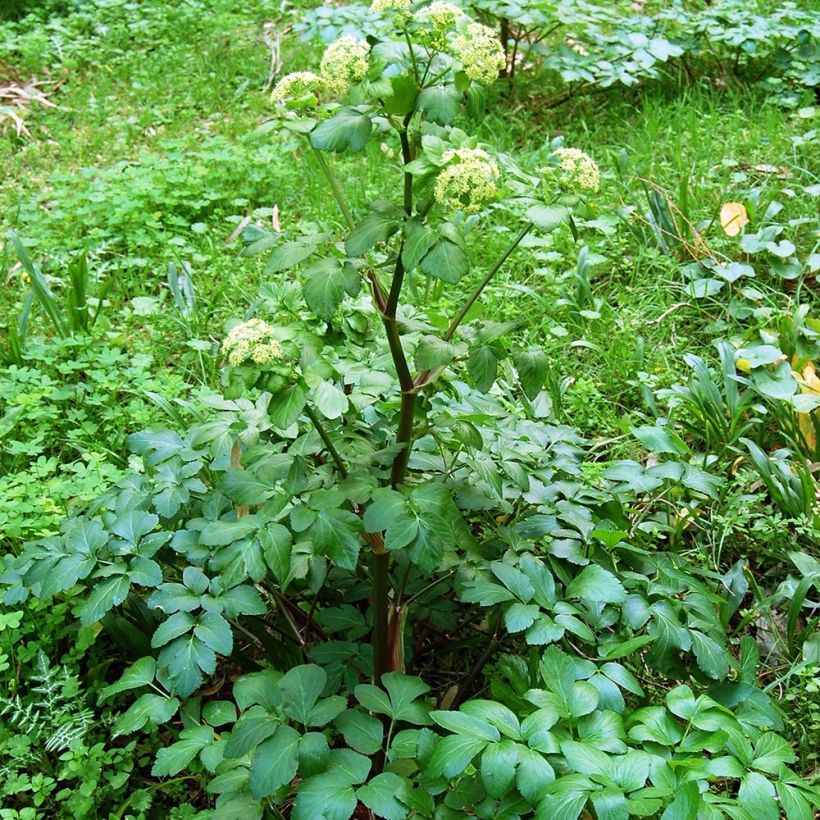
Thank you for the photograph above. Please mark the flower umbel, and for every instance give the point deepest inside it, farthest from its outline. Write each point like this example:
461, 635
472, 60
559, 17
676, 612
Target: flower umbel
478, 50
344, 63
438, 19
251, 341
391, 5
578, 170
298, 90
468, 179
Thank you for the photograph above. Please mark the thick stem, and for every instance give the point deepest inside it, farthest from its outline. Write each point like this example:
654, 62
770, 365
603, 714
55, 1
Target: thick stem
381, 561
459, 317
320, 429
381, 608
338, 194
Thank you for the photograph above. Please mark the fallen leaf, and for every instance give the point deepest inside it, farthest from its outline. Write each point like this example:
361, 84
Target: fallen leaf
733, 218
809, 383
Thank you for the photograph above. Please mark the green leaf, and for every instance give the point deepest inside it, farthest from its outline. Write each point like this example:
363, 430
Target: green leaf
661, 440
498, 765
771, 753
400, 700
178, 624
335, 533
533, 775
445, 260
380, 795
301, 687
433, 351
182, 662
514, 580
565, 798
222, 533
686, 803
219, 713
288, 255
249, 731
326, 283
347, 129
757, 795
156, 708
452, 754
519, 617
173, 759
392, 513
532, 367
594, 583
712, 658
585, 758
140, 673
285, 407
465, 724
361, 732
329, 398
482, 365
418, 239
497, 714
329, 796
439, 103
548, 217
105, 595
314, 754
214, 631
610, 804
376, 227
275, 762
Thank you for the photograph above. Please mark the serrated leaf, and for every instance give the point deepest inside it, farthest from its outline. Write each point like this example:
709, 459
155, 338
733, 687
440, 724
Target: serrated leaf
275, 762
173, 759
347, 129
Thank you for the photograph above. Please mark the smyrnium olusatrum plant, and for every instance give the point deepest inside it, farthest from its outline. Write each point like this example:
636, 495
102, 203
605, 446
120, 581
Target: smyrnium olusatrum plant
411, 88
377, 508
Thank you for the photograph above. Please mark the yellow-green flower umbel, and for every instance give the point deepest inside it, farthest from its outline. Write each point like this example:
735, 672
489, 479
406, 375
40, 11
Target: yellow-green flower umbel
252, 342
344, 63
391, 5
478, 50
578, 170
468, 180
300, 89
437, 20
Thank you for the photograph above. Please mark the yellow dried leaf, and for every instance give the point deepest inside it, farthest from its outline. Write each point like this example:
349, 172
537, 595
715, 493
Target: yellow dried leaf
809, 383
733, 218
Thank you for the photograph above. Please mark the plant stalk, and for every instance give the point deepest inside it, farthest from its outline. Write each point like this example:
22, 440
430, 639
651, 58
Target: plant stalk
338, 194
320, 429
459, 317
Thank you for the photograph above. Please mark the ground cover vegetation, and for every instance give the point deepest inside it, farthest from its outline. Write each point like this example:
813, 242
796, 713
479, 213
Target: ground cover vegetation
409, 410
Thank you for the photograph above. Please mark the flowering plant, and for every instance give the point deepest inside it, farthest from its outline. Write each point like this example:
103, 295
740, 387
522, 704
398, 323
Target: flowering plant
379, 491
413, 85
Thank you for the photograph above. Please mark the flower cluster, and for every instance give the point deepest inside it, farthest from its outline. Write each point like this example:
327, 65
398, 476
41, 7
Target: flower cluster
344, 63
478, 50
391, 5
438, 19
298, 90
468, 179
578, 170
251, 341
